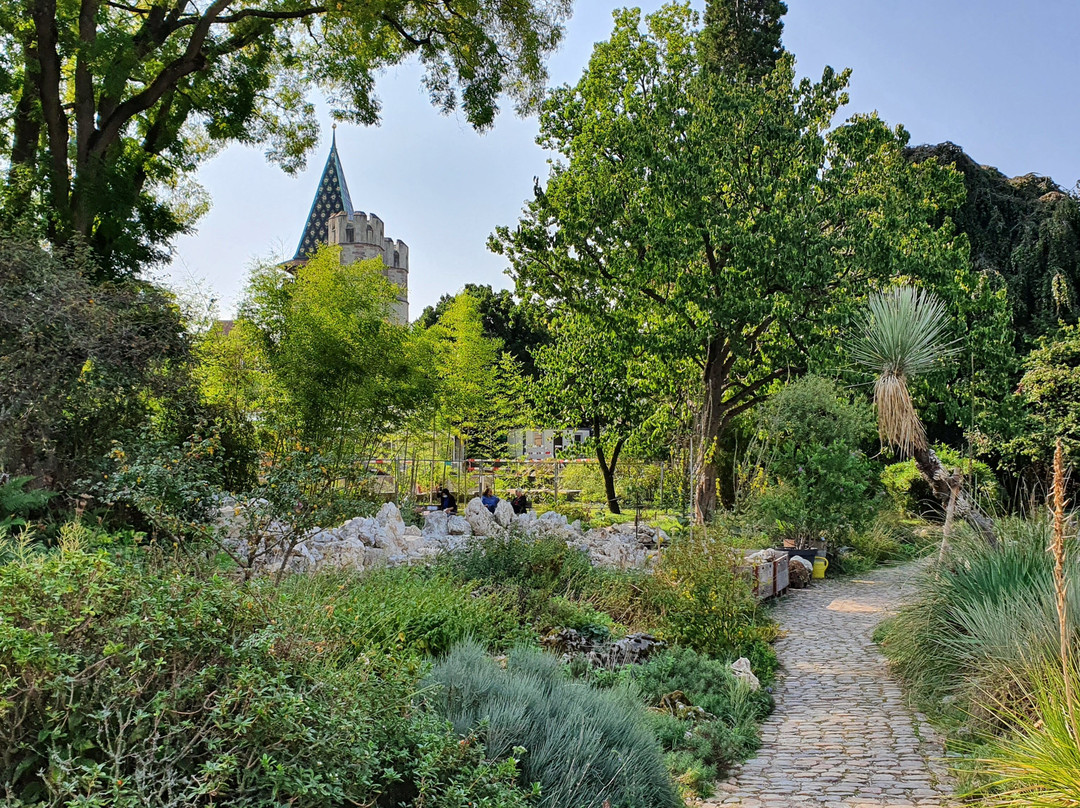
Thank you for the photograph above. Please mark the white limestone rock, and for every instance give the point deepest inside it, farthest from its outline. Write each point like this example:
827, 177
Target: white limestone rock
741, 668
436, 523
480, 519
504, 513
458, 526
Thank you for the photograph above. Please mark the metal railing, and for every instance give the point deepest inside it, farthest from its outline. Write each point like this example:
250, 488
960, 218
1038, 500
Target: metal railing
555, 482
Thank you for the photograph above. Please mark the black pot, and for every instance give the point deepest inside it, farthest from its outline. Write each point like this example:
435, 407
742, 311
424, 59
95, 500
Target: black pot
808, 555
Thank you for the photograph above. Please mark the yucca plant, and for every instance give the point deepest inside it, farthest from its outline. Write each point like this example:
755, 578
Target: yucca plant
904, 334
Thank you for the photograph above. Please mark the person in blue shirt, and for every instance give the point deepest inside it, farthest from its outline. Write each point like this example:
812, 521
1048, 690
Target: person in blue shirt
489, 500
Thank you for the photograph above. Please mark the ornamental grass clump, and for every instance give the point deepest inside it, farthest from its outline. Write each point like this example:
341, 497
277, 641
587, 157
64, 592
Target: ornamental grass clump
1038, 762
985, 622
586, 748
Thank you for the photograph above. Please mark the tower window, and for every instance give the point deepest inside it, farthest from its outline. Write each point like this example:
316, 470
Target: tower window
350, 235
370, 235
397, 258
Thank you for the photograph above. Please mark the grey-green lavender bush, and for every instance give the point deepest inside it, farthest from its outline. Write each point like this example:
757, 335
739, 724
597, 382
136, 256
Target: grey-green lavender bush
584, 747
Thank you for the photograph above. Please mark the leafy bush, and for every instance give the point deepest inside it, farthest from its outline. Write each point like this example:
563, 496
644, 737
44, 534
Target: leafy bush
808, 477
911, 494
128, 686
81, 363
17, 504
700, 748
711, 607
585, 747
404, 612
530, 570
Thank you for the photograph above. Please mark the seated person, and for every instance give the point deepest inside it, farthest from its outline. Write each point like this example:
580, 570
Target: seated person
489, 500
447, 501
520, 502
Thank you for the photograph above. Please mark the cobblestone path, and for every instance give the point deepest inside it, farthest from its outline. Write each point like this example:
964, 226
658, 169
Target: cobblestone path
841, 735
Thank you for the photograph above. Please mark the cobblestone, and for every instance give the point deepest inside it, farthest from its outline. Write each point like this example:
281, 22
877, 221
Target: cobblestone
841, 735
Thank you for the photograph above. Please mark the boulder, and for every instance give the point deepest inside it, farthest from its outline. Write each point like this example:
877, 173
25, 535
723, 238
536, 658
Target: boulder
741, 669
436, 523
392, 525
480, 518
459, 526
504, 513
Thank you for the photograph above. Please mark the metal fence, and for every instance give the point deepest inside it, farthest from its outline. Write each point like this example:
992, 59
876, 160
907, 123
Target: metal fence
563, 482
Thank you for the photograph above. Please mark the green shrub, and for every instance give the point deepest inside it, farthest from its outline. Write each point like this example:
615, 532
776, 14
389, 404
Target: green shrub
17, 504
514, 559
710, 606
405, 612
888, 538
585, 747
130, 686
807, 476
909, 492
528, 571
701, 747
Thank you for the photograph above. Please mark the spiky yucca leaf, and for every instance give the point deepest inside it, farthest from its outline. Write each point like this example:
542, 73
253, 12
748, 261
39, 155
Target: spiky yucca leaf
903, 334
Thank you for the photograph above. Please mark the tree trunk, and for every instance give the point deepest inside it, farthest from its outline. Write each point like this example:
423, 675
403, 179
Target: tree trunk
710, 425
928, 464
608, 469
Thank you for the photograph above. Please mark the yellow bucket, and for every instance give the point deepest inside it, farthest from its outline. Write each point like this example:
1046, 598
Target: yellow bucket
820, 565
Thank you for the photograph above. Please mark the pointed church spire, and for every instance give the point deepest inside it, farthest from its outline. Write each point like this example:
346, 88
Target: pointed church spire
332, 196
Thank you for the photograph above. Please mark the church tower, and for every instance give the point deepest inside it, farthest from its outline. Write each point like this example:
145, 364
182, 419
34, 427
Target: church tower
360, 235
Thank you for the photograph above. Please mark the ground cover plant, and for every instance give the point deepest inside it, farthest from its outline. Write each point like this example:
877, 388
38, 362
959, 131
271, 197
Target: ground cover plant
134, 675
704, 718
584, 746
131, 685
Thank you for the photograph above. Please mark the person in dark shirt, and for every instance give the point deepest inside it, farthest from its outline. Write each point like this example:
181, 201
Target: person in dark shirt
520, 502
447, 502
489, 500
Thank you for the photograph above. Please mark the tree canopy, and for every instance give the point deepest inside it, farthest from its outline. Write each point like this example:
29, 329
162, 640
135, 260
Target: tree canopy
1024, 230
519, 326
742, 36
730, 216
110, 105
341, 374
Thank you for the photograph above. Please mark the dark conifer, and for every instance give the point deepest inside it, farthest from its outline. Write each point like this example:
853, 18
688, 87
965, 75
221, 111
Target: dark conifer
742, 36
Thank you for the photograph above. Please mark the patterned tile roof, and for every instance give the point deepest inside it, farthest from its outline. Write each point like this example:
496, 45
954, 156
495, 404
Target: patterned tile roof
331, 197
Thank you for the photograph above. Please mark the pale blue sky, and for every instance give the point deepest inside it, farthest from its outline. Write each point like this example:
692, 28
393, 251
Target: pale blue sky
997, 77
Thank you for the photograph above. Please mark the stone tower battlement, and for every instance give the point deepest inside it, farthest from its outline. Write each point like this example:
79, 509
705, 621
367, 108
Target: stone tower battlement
360, 235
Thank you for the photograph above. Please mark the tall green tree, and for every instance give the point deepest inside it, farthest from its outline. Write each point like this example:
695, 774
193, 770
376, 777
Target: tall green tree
109, 106
1049, 393
481, 393
519, 325
81, 365
592, 377
730, 217
345, 374
742, 36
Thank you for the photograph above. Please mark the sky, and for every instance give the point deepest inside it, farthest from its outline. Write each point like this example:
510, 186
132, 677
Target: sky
997, 77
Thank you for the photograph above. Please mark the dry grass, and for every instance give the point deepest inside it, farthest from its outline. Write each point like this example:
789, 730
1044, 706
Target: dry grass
898, 423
